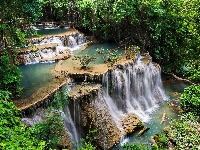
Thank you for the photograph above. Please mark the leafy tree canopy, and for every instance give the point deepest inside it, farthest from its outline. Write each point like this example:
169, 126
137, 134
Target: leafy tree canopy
15, 19
168, 29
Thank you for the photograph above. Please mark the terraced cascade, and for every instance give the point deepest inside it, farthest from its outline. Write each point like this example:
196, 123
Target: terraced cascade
112, 100
128, 93
51, 47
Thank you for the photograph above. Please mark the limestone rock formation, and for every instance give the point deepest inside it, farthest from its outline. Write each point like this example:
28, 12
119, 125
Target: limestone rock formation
95, 115
130, 123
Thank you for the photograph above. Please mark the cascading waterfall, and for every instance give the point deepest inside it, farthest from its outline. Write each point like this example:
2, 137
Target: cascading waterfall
131, 88
135, 89
70, 42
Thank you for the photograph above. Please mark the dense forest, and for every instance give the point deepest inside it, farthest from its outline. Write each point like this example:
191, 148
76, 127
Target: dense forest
168, 29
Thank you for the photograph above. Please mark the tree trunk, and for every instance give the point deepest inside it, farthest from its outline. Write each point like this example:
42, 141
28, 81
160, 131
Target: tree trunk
5, 45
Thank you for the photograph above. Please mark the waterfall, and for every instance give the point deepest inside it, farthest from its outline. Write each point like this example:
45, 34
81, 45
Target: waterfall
55, 47
131, 88
134, 89
35, 118
72, 42
70, 127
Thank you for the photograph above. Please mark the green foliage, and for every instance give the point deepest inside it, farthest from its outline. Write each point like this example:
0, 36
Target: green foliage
130, 52
59, 9
10, 77
169, 30
87, 143
5, 95
161, 141
132, 146
103, 54
185, 132
51, 130
60, 99
173, 35
109, 56
33, 8
113, 57
84, 60
13, 134
190, 99
193, 72
13, 29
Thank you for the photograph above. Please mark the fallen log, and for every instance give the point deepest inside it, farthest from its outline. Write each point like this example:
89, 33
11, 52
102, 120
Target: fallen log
178, 78
163, 117
145, 129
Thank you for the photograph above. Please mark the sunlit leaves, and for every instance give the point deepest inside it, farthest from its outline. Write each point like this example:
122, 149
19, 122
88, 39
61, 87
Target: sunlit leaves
190, 99
13, 134
84, 60
184, 131
51, 130
10, 77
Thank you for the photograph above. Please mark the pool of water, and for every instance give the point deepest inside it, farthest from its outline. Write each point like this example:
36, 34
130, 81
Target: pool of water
91, 50
156, 116
51, 31
35, 76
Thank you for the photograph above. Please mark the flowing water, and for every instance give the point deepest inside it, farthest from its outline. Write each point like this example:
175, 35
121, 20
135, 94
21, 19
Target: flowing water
54, 47
128, 89
154, 123
137, 89
36, 75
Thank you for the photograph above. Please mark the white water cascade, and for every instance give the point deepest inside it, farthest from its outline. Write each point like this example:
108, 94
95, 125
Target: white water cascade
55, 47
131, 88
70, 127
134, 88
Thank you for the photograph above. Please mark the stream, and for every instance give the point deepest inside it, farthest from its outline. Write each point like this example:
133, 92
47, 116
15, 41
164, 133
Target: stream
170, 88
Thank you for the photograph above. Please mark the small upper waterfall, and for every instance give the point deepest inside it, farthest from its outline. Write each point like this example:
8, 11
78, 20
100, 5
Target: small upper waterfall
52, 48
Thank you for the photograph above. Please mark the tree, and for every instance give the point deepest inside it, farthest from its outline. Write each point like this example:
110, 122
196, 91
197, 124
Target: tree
13, 28
183, 132
84, 60
109, 56
190, 99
